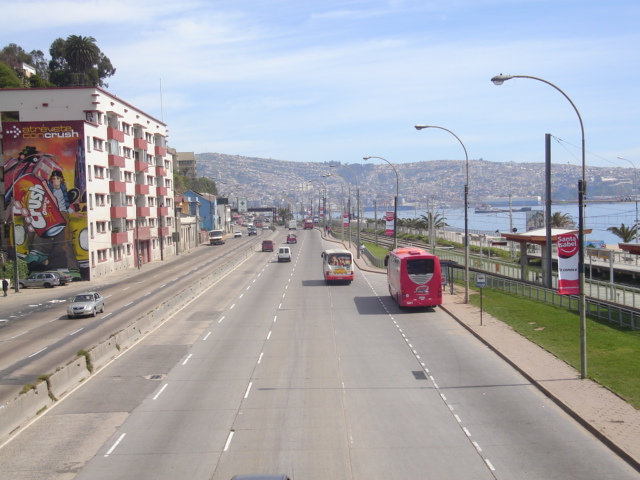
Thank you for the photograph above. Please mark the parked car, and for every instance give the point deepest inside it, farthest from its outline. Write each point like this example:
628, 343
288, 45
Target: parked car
292, 238
41, 279
87, 303
267, 246
64, 277
284, 254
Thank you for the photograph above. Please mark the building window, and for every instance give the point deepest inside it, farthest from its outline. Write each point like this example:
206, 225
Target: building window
101, 227
126, 128
98, 171
97, 144
129, 200
102, 255
128, 177
100, 199
127, 152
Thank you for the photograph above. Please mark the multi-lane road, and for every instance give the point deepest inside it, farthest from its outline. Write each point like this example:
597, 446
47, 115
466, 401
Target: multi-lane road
273, 371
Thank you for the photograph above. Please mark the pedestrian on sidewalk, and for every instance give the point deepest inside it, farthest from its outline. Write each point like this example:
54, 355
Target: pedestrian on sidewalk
5, 286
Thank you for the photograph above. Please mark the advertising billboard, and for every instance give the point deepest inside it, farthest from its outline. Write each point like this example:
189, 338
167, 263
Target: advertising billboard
45, 182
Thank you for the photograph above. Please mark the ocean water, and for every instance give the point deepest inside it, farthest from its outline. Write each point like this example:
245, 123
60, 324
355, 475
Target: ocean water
598, 217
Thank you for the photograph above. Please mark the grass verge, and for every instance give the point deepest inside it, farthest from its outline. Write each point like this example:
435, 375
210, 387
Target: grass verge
613, 353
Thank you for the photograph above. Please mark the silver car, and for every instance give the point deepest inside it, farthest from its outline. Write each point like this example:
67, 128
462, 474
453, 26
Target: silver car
87, 303
46, 280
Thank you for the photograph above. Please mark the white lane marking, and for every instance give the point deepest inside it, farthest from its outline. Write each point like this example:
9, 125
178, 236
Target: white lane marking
147, 294
206, 336
269, 335
20, 334
457, 418
275, 318
187, 359
78, 330
467, 433
34, 354
248, 287
228, 442
231, 307
246, 394
161, 390
115, 445
221, 318
260, 357
489, 465
475, 444
130, 303
241, 295
126, 288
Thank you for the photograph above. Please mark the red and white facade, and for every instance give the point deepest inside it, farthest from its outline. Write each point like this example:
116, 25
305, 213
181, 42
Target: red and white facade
122, 213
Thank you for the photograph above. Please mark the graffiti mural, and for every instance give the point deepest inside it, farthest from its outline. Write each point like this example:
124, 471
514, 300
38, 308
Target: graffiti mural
45, 193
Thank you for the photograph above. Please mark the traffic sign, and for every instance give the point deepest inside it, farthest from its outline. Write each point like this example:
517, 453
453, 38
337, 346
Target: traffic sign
481, 280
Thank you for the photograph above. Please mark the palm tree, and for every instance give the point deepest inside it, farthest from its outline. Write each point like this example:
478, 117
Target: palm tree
285, 215
438, 220
81, 53
562, 220
626, 234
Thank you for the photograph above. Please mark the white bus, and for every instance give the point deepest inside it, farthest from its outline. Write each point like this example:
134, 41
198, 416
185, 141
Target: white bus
337, 266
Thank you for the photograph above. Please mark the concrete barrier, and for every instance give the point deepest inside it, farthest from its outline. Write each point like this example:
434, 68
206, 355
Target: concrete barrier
103, 353
23, 408
65, 379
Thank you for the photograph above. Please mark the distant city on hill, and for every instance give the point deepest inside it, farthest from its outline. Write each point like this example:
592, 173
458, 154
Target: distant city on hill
265, 181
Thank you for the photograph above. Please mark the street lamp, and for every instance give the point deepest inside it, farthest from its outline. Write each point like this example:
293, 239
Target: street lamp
348, 203
635, 174
466, 211
357, 207
582, 188
324, 201
395, 203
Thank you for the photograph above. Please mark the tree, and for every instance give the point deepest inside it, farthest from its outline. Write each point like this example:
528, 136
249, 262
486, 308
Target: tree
81, 54
438, 221
285, 215
78, 61
562, 220
626, 234
8, 78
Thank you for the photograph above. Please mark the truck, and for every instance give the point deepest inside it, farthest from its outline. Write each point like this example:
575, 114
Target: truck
308, 223
293, 225
217, 237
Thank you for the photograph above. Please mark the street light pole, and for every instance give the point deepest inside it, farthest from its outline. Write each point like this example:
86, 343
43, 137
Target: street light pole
348, 202
357, 208
395, 203
466, 211
324, 202
582, 189
635, 174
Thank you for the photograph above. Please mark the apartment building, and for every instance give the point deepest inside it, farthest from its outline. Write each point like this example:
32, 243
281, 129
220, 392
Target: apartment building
88, 181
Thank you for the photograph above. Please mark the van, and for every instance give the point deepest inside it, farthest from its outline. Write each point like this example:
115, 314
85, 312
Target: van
267, 245
284, 254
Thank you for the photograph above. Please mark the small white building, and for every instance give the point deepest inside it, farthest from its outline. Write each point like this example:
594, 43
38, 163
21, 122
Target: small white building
88, 181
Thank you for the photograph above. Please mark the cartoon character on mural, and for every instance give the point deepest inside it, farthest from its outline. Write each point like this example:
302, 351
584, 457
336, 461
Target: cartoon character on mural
50, 218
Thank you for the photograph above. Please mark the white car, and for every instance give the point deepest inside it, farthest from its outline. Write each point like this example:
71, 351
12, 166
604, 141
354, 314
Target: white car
237, 234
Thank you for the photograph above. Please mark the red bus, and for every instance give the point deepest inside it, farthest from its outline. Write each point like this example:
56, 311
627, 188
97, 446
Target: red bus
308, 223
414, 277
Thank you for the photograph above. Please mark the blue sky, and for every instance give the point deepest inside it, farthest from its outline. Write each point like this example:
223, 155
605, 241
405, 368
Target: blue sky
338, 80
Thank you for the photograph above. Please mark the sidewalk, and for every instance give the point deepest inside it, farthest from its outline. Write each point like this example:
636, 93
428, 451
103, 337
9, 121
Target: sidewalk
611, 419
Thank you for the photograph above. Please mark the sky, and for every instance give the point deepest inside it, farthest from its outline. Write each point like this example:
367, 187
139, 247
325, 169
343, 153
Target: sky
329, 80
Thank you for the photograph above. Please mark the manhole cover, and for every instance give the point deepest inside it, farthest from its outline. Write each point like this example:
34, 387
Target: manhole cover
419, 375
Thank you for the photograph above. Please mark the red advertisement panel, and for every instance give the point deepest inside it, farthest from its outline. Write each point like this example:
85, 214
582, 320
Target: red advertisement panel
568, 275
390, 224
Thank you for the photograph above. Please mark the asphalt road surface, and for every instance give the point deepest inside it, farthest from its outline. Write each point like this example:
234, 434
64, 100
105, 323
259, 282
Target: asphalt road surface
273, 371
